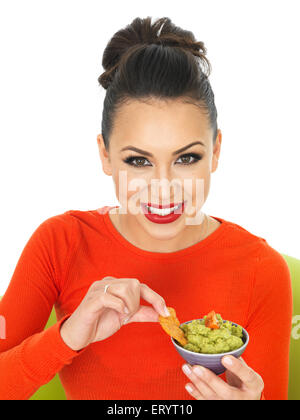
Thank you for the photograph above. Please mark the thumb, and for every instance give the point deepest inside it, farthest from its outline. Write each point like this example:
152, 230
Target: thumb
144, 314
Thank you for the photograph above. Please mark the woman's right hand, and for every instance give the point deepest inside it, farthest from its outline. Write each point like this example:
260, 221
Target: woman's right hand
100, 314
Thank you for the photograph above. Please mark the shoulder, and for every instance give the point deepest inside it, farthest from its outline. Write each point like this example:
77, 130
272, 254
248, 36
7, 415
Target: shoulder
53, 235
70, 218
265, 259
272, 288
268, 259
64, 226
272, 269
240, 240
240, 231
56, 225
74, 224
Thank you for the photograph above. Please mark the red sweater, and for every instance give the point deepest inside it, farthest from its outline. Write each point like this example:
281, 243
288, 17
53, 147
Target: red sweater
232, 271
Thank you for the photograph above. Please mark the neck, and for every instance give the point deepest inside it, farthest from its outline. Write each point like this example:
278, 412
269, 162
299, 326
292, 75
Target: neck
131, 230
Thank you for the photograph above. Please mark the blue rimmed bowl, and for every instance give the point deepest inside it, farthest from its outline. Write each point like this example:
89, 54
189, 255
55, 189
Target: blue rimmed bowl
210, 361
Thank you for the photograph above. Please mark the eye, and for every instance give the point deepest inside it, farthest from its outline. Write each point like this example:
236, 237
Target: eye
140, 161
186, 159
137, 161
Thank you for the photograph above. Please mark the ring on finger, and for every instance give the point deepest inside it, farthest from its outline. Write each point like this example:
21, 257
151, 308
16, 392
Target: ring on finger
106, 287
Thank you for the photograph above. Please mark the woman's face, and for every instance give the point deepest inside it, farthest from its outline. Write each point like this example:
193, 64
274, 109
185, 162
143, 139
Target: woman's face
161, 154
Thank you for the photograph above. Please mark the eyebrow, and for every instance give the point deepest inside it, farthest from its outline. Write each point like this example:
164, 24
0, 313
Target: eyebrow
135, 149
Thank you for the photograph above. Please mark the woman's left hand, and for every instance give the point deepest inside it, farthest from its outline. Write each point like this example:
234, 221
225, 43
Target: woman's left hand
242, 382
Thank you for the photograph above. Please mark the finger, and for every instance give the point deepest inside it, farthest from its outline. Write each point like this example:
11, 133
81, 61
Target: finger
145, 292
239, 367
144, 314
233, 380
105, 300
193, 391
100, 284
221, 388
201, 386
129, 291
155, 299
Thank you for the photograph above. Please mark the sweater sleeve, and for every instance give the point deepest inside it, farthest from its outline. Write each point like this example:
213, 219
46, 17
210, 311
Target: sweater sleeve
269, 324
29, 355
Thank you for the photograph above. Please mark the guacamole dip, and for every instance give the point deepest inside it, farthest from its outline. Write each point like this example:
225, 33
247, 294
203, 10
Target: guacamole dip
202, 339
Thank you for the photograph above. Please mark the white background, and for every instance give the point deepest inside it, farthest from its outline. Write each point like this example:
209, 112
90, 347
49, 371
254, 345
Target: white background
51, 107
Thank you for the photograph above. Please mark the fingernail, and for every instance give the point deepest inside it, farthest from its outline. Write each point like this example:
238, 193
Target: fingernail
228, 361
186, 369
167, 313
188, 388
126, 310
199, 371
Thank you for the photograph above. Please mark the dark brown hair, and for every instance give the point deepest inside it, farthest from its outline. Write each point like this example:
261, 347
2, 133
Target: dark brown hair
155, 60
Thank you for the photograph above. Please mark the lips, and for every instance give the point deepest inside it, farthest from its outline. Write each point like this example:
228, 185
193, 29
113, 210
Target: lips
161, 209
160, 213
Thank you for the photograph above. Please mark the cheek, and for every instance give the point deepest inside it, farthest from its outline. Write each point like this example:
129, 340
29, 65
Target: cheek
201, 187
196, 185
120, 182
129, 186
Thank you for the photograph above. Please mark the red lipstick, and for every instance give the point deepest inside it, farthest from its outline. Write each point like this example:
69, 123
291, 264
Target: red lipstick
157, 218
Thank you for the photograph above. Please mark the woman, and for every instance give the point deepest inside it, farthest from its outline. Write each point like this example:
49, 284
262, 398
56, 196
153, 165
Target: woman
110, 272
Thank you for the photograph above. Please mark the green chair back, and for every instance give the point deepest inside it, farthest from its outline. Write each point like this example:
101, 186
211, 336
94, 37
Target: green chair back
54, 390
294, 373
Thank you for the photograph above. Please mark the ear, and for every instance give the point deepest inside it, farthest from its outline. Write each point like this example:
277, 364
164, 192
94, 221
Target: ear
104, 156
216, 151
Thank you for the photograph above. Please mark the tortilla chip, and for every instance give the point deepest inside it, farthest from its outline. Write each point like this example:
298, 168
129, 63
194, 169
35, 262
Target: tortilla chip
170, 325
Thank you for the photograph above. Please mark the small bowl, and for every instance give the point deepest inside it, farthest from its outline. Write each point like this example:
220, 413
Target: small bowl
210, 361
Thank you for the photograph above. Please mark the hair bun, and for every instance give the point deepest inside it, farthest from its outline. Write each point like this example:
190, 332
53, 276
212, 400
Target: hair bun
139, 34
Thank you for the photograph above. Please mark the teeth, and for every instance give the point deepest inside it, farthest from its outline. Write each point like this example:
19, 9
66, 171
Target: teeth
163, 212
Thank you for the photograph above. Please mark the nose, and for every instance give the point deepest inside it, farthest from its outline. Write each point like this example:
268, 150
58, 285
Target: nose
165, 188
162, 172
